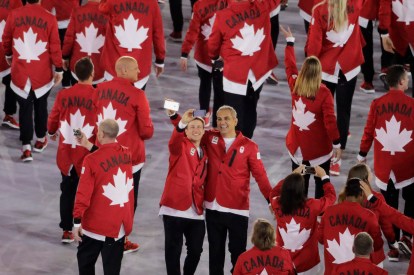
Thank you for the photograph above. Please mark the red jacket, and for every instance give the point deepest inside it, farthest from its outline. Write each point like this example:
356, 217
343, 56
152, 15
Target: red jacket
61, 9
85, 36
104, 200
228, 179
395, 18
299, 232
358, 266
369, 10
238, 23
5, 9
135, 27
73, 109
275, 261
338, 227
305, 8
313, 127
185, 181
201, 24
120, 100
331, 48
31, 36
389, 125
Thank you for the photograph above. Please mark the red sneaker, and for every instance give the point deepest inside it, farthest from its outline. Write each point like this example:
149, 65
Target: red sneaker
405, 245
130, 247
207, 118
67, 237
335, 168
10, 122
393, 255
367, 87
40, 146
26, 156
176, 36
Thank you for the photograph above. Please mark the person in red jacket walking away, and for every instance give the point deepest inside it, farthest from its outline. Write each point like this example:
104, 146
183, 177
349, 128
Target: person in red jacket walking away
104, 205
10, 101
362, 248
119, 99
198, 34
341, 222
231, 159
296, 217
389, 125
73, 110
335, 38
313, 137
85, 36
265, 257
181, 205
135, 28
32, 46
62, 9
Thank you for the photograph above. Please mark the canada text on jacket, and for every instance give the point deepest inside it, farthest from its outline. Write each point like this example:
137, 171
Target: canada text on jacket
348, 220
30, 21
77, 102
263, 261
128, 7
115, 161
242, 16
394, 108
109, 94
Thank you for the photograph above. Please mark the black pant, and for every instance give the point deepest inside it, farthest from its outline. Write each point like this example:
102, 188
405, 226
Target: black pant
68, 186
66, 81
26, 116
176, 12
218, 224
367, 67
111, 252
386, 57
306, 23
319, 193
245, 107
391, 197
136, 176
10, 101
344, 93
274, 29
194, 231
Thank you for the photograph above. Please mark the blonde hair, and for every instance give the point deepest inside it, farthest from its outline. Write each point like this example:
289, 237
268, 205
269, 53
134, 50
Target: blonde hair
309, 78
337, 14
263, 236
359, 171
228, 108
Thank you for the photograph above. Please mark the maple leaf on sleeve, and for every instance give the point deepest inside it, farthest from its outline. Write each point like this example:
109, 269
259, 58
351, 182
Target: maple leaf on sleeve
90, 42
130, 36
342, 251
118, 193
340, 38
293, 237
110, 112
207, 28
392, 139
28, 48
302, 119
249, 42
404, 11
77, 121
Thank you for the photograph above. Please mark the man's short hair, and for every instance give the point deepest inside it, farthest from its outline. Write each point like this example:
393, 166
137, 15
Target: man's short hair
363, 244
83, 68
394, 75
229, 108
109, 127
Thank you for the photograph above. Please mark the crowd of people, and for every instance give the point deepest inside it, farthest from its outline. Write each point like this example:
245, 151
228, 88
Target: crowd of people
102, 53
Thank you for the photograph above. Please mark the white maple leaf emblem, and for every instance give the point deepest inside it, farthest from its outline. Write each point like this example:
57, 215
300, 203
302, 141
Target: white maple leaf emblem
28, 48
302, 118
90, 42
206, 28
119, 192
342, 252
404, 11
130, 36
2, 25
77, 121
392, 139
340, 38
110, 112
249, 42
293, 237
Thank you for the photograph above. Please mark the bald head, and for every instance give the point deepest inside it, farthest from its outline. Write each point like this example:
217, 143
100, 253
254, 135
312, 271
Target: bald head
127, 67
108, 130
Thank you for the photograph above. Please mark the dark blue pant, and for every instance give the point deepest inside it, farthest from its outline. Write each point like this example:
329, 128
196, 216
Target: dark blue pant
68, 186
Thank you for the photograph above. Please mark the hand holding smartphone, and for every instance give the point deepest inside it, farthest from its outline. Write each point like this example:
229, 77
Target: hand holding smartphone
171, 105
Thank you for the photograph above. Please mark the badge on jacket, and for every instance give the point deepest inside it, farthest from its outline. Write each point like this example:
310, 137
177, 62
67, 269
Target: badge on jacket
192, 151
241, 149
214, 140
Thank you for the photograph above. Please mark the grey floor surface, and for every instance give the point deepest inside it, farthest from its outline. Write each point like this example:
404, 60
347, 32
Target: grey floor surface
29, 192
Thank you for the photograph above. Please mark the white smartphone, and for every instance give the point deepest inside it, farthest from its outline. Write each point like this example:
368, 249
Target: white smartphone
171, 105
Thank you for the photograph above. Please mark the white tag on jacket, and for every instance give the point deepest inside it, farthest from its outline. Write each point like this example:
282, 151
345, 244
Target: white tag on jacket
214, 140
241, 149
258, 155
83, 170
192, 151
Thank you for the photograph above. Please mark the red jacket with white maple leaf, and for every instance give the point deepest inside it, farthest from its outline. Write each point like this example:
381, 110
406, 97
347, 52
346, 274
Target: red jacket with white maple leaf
61, 9
73, 109
305, 8
274, 261
390, 124
201, 24
85, 36
228, 179
31, 37
339, 225
120, 100
397, 19
187, 172
105, 198
241, 35
358, 266
299, 232
332, 48
135, 27
5, 9
313, 127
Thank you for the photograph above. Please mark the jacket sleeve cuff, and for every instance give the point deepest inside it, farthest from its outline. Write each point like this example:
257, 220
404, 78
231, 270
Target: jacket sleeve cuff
59, 70
66, 57
181, 125
382, 32
363, 154
372, 199
159, 63
94, 148
76, 222
184, 55
174, 116
361, 158
290, 39
325, 179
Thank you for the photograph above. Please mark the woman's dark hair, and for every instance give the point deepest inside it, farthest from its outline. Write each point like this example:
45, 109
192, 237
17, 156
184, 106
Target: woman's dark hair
353, 188
293, 195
